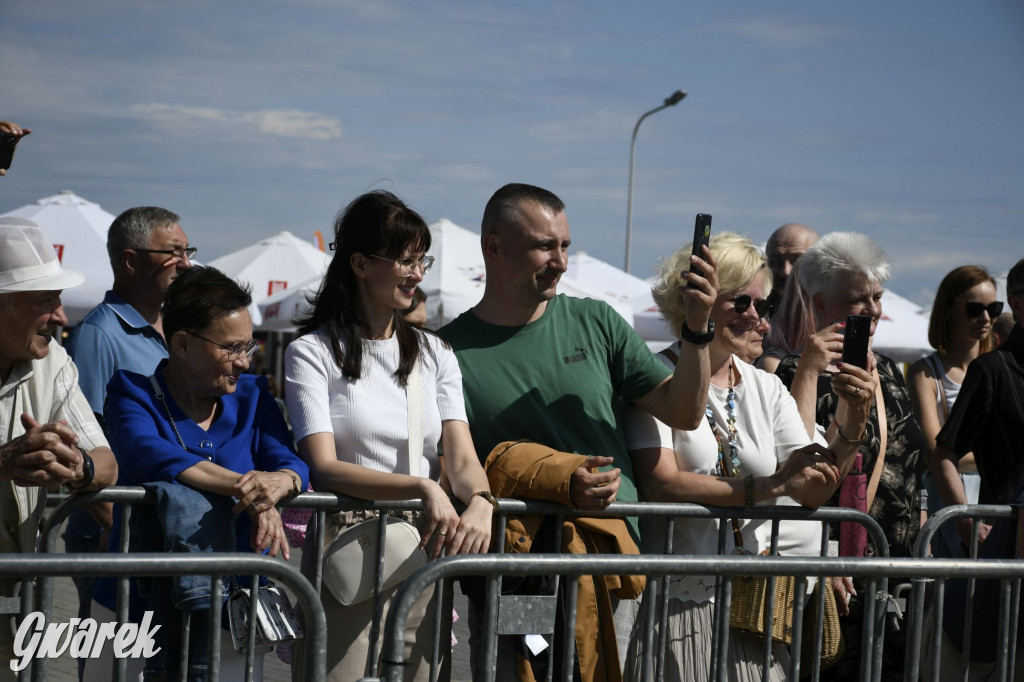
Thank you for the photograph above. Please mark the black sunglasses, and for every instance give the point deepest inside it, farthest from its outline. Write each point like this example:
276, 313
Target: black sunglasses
975, 309
742, 302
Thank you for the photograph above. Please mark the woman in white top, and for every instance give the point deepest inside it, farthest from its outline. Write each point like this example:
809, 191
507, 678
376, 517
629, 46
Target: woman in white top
347, 377
962, 316
753, 448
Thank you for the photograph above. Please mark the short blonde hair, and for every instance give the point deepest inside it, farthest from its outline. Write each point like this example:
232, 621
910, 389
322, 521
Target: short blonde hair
739, 261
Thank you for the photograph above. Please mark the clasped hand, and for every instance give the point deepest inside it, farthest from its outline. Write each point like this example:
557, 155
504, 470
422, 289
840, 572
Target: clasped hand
445, 529
260, 490
808, 476
45, 455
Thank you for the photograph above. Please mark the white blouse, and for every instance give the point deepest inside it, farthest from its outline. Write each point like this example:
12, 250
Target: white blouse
369, 416
769, 429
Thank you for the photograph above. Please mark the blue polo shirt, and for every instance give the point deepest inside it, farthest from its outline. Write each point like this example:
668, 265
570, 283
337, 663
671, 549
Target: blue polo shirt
113, 336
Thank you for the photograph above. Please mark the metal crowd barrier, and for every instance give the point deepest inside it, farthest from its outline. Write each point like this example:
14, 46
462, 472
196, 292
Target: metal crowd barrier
1009, 600
494, 566
123, 567
216, 565
322, 503
873, 627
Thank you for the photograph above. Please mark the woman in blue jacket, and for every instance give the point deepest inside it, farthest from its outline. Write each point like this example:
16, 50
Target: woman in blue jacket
213, 445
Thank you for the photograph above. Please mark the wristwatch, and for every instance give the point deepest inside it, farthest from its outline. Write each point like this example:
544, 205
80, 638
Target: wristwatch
88, 472
697, 339
486, 494
296, 483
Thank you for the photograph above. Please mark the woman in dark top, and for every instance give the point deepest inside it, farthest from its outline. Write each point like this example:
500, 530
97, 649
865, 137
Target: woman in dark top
842, 275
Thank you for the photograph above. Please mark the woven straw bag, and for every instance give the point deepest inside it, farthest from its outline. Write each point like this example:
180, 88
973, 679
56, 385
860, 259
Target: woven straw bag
749, 602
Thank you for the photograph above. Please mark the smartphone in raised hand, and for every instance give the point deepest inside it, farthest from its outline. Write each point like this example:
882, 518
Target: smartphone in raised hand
7, 145
855, 340
701, 237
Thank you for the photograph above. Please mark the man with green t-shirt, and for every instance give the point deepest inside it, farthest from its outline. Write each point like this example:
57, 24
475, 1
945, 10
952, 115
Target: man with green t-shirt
559, 370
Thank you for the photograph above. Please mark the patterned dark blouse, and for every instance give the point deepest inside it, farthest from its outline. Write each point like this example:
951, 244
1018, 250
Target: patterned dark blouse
897, 504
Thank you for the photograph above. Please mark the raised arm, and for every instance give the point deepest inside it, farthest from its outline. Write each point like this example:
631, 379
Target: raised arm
679, 400
822, 349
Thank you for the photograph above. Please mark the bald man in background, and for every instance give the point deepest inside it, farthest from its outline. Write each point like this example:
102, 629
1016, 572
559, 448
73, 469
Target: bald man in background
783, 250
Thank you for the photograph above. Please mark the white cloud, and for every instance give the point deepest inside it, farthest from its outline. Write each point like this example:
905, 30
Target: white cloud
781, 33
599, 125
461, 172
292, 123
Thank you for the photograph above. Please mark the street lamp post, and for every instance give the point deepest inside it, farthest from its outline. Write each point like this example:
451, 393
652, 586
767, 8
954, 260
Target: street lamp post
673, 100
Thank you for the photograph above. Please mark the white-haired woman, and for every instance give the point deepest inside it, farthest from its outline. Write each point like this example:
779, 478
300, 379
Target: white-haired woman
843, 275
753, 448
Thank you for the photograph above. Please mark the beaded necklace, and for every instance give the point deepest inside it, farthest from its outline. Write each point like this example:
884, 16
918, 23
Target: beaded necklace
730, 405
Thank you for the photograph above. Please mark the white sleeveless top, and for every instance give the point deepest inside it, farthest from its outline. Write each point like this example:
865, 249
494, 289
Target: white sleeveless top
943, 385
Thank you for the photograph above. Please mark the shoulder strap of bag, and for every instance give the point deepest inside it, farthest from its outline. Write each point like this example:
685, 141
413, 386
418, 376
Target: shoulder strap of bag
883, 437
414, 398
936, 366
158, 393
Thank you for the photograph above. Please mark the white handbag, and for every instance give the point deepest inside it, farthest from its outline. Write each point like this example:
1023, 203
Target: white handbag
350, 563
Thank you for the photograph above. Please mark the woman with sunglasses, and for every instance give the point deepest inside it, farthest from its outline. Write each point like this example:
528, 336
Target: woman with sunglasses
347, 378
962, 316
752, 449
211, 445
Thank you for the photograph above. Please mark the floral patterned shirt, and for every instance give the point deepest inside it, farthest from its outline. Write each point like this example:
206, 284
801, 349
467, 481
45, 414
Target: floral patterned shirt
897, 504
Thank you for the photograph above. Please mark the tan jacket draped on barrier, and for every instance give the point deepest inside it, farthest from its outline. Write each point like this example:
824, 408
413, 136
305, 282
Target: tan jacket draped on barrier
531, 471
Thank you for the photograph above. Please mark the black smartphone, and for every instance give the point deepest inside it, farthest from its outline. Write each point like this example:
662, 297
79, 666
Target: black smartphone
701, 237
7, 144
855, 340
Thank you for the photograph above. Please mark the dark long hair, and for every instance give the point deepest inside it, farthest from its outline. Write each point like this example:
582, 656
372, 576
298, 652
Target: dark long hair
376, 223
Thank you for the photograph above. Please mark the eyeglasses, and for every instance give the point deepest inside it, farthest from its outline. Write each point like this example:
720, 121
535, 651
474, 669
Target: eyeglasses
742, 302
181, 253
407, 265
235, 350
975, 309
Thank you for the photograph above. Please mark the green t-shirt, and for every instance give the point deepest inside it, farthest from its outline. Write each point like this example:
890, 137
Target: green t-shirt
560, 380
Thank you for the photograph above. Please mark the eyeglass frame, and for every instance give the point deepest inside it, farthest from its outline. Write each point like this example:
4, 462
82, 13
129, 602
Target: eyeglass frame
236, 349
994, 305
742, 303
423, 262
188, 252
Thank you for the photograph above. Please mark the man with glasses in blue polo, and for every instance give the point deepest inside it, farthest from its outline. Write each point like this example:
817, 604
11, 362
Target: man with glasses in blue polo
147, 250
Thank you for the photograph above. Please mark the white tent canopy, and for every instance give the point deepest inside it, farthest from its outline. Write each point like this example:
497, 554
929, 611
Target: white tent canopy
279, 310
78, 230
615, 284
274, 264
902, 333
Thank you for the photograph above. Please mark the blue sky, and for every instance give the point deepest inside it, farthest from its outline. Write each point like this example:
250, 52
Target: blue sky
901, 120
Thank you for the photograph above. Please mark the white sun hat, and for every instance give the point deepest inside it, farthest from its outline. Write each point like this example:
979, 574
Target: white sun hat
28, 261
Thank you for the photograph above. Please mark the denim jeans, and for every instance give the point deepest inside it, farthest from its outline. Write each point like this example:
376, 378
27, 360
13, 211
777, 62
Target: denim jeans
182, 520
